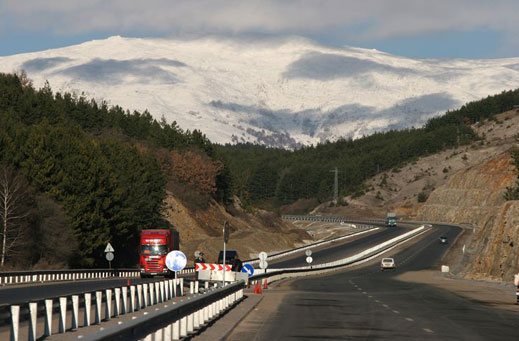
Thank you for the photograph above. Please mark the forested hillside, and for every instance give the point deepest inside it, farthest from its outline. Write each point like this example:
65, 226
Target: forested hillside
87, 174
271, 178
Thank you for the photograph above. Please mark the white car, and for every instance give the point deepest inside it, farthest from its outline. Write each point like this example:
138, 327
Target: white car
387, 263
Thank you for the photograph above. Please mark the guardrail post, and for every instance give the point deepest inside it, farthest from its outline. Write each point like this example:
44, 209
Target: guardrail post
152, 295
190, 323
124, 308
183, 326
196, 321
117, 306
48, 317
145, 294
99, 298
166, 290
15, 318
75, 311
162, 293
171, 292
62, 314
175, 287
191, 288
108, 304
88, 301
157, 336
175, 326
132, 298
206, 285
167, 333
201, 317
157, 293
33, 315
181, 287
206, 314
197, 289
138, 306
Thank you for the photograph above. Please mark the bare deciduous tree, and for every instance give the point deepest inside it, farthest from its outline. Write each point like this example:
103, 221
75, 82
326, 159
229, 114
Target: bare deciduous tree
13, 193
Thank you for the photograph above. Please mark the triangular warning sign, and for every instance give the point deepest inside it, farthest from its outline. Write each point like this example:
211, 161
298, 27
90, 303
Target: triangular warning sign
109, 248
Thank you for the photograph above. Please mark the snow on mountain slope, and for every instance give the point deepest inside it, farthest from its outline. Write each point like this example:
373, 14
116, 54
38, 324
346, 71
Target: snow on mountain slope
278, 92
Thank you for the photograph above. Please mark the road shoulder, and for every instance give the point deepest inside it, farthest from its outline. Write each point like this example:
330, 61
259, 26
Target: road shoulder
495, 294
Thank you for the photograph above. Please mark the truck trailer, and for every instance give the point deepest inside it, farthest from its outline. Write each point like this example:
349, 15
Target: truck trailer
155, 244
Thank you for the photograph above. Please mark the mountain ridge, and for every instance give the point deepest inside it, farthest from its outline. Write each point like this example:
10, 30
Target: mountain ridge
278, 92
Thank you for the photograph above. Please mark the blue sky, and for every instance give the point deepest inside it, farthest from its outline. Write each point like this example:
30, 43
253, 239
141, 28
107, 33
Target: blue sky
411, 28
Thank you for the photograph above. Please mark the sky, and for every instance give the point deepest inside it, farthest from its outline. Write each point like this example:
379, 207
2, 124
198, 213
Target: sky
473, 29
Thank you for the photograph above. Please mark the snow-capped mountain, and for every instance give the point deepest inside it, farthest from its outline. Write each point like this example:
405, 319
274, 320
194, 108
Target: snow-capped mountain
278, 92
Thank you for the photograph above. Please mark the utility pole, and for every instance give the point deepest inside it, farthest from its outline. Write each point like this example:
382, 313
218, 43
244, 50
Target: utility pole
335, 186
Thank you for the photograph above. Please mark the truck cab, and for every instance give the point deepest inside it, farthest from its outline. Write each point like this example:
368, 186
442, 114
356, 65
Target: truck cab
391, 220
154, 247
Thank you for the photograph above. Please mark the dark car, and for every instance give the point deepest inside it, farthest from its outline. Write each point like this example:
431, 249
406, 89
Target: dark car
443, 240
230, 255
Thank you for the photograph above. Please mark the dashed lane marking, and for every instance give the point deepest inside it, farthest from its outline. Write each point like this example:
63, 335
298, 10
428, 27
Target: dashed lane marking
396, 311
385, 305
409, 319
428, 330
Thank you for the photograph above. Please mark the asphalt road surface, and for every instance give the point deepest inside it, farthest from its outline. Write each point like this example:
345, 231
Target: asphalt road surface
369, 304
341, 250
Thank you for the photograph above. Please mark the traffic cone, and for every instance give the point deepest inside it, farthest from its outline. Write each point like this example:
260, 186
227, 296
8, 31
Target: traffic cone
265, 285
257, 289
128, 282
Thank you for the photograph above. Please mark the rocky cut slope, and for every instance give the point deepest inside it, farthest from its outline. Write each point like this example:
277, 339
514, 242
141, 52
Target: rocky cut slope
475, 196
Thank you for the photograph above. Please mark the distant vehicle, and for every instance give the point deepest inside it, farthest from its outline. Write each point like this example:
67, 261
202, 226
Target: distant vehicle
387, 264
391, 219
230, 255
154, 246
443, 240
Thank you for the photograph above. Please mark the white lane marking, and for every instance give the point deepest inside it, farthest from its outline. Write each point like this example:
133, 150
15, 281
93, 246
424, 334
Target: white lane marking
428, 330
365, 293
370, 296
396, 311
377, 301
385, 305
409, 319
357, 288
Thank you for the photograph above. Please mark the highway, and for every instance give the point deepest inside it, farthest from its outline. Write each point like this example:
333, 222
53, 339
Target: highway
340, 250
34, 292
369, 304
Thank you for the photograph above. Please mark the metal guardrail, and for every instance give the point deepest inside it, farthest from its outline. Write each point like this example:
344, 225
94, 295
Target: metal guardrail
40, 276
125, 299
176, 321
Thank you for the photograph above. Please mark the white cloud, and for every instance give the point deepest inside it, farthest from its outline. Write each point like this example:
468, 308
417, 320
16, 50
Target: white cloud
377, 19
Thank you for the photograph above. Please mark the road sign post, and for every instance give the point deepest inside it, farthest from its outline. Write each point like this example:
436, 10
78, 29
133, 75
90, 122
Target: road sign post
109, 250
225, 240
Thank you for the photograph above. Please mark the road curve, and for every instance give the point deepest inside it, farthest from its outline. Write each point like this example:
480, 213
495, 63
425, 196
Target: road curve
370, 304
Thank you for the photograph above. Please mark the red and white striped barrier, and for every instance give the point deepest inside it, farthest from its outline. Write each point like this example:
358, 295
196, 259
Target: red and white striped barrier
212, 267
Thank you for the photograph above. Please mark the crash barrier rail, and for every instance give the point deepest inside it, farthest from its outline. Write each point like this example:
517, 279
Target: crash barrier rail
176, 321
276, 274
366, 229
125, 299
40, 276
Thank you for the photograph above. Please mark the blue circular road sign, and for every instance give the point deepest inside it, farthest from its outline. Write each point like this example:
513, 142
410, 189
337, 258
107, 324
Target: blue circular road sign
248, 269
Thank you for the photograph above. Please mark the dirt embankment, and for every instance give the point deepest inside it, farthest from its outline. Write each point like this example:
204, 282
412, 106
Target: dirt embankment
250, 234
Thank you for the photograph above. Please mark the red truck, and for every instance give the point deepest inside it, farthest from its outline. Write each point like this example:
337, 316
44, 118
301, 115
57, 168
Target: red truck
154, 246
